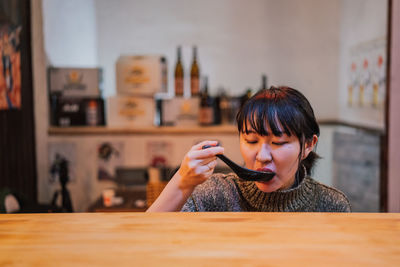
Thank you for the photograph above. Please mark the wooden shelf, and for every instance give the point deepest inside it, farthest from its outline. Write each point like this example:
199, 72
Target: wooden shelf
103, 130
178, 130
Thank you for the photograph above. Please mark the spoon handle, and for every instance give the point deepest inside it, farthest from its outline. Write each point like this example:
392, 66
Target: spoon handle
244, 173
227, 161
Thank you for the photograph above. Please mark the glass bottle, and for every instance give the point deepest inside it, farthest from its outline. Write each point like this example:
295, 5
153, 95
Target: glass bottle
263, 82
206, 115
194, 75
179, 74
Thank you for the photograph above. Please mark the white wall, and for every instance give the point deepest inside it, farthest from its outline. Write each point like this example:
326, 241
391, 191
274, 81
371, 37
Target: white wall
63, 34
40, 99
293, 42
361, 22
70, 33
323, 169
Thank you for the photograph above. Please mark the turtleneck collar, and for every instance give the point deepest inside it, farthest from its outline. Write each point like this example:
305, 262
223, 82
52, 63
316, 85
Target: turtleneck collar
292, 199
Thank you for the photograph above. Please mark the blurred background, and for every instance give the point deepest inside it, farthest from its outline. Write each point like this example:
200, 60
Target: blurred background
122, 89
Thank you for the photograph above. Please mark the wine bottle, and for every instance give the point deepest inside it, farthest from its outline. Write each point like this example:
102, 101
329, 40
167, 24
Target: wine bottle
179, 74
246, 96
164, 75
194, 75
206, 116
263, 82
225, 108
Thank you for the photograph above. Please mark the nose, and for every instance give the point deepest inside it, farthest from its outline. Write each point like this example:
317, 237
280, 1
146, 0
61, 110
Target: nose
264, 153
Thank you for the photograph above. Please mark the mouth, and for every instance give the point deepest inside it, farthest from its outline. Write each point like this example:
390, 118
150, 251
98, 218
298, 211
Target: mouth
264, 169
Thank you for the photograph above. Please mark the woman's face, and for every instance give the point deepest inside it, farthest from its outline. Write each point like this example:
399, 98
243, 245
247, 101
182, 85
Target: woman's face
279, 154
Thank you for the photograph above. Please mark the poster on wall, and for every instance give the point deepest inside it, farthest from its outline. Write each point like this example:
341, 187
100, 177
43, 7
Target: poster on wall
158, 153
367, 75
10, 54
109, 157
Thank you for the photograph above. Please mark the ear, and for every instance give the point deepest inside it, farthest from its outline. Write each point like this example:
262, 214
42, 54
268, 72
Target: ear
309, 146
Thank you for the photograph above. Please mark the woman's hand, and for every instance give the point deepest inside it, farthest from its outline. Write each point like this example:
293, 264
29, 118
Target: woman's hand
198, 164
196, 167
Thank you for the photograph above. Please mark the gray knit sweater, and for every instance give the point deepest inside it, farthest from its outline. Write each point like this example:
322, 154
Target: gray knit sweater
228, 193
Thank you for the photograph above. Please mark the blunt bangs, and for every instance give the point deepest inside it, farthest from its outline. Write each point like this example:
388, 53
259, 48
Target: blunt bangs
274, 111
266, 117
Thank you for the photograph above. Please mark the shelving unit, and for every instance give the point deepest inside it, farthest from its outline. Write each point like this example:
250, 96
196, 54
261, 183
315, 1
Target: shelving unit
179, 130
171, 130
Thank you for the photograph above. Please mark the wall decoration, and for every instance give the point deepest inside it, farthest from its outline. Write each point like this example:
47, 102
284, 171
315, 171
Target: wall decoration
17, 120
109, 157
367, 74
159, 153
10, 54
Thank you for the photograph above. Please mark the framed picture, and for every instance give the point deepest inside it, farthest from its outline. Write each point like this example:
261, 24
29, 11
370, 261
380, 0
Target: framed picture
17, 122
11, 28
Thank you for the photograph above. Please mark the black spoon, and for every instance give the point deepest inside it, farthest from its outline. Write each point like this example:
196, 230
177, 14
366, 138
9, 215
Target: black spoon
244, 173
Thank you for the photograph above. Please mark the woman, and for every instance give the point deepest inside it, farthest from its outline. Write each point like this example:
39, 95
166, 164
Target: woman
278, 132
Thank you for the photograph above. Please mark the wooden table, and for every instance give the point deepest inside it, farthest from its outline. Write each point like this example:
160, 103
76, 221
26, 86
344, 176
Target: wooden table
200, 239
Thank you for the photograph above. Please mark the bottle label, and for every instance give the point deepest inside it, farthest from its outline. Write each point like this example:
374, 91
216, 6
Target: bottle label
178, 86
194, 86
206, 115
91, 114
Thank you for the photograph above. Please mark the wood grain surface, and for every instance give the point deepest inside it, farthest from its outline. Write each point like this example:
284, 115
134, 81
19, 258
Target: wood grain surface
200, 239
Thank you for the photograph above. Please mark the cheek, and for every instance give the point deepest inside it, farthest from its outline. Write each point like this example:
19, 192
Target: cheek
287, 156
292, 153
247, 154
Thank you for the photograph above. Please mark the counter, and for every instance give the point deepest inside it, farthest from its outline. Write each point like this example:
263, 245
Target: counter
200, 239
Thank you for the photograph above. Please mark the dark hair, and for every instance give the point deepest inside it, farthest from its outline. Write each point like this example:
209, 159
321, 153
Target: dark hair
283, 106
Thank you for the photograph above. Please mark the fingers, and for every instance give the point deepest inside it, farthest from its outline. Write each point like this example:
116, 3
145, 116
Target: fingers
204, 170
211, 165
208, 160
208, 173
201, 155
194, 163
197, 152
199, 164
204, 143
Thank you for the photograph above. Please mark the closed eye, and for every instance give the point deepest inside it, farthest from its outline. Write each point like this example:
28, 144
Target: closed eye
279, 143
251, 141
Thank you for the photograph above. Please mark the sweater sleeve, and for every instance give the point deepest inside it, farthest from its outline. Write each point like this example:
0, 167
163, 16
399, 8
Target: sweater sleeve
333, 200
215, 194
190, 205
342, 204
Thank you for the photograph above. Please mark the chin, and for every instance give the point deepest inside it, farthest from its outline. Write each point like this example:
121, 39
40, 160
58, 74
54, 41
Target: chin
267, 187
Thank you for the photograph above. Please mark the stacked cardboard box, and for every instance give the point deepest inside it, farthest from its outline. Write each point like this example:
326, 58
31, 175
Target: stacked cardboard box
75, 98
138, 80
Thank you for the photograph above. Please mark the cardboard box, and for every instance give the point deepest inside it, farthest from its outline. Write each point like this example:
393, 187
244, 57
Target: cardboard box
179, 111
128, 111
141, 75
75, 82
76, 111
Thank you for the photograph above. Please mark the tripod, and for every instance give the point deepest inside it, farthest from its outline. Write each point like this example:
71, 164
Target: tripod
61, 166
